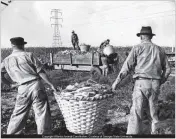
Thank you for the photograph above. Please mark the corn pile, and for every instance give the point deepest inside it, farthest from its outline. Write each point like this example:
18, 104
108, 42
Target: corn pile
74, 52
86, 91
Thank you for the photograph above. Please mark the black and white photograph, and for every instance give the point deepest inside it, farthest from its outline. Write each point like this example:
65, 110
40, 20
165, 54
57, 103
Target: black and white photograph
87, 69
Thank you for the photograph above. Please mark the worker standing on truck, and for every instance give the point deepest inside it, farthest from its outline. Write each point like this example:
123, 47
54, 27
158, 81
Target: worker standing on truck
75, 41
151, 69
26, 70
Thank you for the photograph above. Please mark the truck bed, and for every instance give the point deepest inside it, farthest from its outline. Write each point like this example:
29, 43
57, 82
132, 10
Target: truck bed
77, 59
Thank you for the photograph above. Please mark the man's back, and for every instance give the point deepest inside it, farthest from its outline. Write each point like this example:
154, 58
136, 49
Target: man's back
22, 66
74, 37
147, 60
150, 60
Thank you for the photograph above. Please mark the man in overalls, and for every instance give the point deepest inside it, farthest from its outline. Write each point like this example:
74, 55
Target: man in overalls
151, 69
75, 41
24, 69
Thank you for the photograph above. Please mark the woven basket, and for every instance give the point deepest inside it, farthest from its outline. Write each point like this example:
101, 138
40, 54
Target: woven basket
84, 117
84, 48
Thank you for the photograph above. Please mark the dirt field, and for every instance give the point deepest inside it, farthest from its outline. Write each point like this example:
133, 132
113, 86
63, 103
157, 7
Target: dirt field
116, 122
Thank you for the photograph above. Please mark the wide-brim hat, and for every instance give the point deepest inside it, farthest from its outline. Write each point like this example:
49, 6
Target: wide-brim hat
18, 41
146, 31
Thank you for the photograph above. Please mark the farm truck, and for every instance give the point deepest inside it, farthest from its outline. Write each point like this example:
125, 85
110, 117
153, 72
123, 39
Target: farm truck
93, 61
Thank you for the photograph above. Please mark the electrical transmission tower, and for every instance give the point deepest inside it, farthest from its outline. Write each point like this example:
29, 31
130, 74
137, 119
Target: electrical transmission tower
56, 35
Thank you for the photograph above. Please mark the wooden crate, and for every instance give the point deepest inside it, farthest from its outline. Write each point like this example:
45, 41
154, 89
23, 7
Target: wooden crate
63, 59
77, 59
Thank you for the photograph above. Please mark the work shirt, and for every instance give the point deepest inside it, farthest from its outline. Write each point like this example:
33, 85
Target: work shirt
21, 66
147, 60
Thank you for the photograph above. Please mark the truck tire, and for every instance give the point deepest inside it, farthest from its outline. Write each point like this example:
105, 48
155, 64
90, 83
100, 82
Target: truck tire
95, 73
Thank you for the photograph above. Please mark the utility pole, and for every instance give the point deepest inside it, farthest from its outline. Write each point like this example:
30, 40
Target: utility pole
56, 35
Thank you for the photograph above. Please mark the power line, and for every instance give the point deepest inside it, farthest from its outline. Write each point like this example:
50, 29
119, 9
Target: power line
127, 17
139, 16
148, 7
100, 10
126, 6
119, 7
145, 16
149, 17
113, 8
107, 22
149, 14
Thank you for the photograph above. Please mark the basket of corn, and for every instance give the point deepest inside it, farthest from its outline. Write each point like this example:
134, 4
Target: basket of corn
84, 106
84, 47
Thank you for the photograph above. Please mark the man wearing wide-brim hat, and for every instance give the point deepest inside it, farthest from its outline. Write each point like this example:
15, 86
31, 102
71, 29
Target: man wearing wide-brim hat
151, 69
25, 69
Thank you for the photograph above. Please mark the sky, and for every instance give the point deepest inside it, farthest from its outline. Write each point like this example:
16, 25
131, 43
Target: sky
93, 21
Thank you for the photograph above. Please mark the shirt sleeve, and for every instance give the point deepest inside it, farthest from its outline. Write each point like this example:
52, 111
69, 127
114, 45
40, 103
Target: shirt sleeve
102, 45
128, 65
38, 65
3, 67
166, 67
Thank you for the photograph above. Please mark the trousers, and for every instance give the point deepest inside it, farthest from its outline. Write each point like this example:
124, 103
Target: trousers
75, 45
144, 97
31, 94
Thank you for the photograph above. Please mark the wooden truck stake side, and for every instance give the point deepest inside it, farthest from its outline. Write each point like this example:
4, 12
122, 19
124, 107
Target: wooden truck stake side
91, 61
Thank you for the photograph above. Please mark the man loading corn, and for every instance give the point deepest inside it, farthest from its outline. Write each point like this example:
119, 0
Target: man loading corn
24, 69
151, 69
104, 44
109, 59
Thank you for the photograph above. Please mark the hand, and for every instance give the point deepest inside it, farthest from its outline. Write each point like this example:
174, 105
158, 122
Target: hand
53, 88
162, 81
114, 85
14, 85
